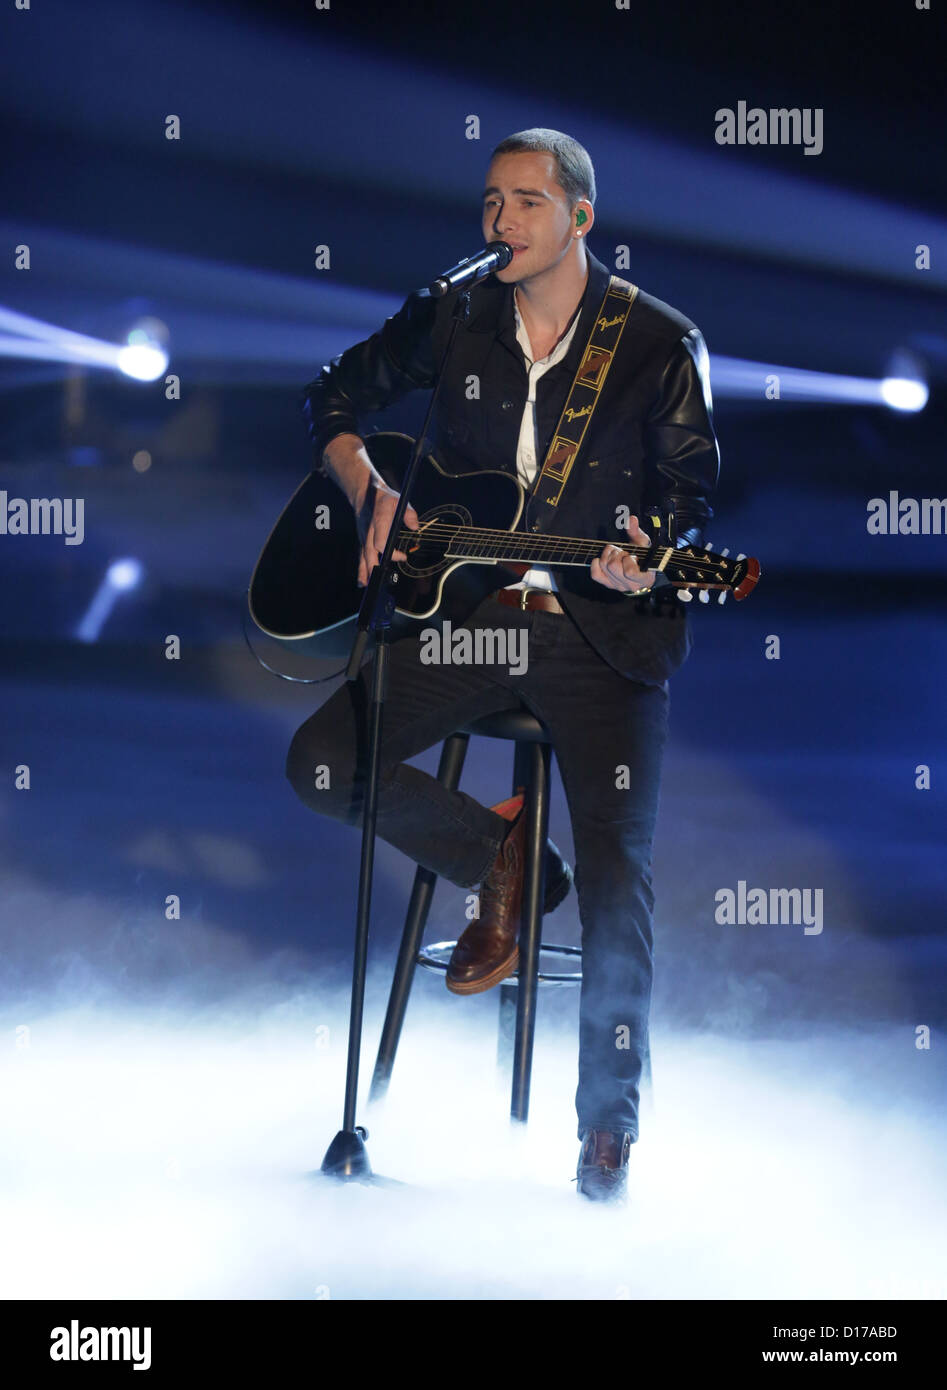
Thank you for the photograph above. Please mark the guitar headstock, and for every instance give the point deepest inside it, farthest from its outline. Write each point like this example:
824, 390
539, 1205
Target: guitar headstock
696, 568
705, 570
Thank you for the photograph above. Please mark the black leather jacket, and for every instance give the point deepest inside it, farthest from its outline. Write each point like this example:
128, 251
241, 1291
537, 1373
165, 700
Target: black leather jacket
650, 444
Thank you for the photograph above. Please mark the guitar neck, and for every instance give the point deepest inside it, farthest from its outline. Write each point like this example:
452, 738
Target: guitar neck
683, 568
475, 543
514, 547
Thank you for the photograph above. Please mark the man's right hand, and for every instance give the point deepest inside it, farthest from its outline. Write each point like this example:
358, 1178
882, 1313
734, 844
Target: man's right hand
372, 500
373, 516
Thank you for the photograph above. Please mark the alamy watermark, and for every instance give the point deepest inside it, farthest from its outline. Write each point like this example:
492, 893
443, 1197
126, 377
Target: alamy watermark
895, 515
779, 125
75, 1343
770, 907
43, 516
481, 646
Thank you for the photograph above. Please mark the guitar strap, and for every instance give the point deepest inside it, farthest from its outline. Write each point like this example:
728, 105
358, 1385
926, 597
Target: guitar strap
584, 393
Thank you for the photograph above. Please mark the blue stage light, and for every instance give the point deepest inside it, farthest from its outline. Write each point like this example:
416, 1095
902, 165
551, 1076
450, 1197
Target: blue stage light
738, 379
120, 576
143, 357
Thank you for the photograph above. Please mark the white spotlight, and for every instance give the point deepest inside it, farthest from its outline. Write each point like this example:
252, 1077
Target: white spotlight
144, 356
903, 394
124, 574
141, 361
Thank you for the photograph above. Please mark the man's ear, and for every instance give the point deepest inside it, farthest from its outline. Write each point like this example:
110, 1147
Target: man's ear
583, 216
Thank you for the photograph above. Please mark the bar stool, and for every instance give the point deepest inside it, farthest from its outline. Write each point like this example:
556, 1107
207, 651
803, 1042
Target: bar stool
518, 993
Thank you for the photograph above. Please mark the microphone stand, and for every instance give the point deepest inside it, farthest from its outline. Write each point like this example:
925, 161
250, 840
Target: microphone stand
347, 1156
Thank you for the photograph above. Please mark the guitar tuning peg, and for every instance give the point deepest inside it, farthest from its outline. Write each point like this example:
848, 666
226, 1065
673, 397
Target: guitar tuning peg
722, 596
685, 595
708, 545
704, 596
725, 551
741, 557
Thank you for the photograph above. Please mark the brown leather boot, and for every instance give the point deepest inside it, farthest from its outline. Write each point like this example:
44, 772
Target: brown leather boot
603, 1166
487, 951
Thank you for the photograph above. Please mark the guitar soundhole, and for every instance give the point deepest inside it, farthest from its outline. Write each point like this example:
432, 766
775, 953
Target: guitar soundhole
426, 549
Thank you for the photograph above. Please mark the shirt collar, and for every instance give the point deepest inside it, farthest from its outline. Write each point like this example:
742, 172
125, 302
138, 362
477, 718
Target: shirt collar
560, 349
492, 309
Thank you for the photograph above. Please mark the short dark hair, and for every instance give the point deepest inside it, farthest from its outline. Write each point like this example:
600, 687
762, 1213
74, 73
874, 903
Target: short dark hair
576, 175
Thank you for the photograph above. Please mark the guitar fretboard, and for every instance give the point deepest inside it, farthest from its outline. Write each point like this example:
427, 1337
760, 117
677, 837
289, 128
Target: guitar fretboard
474, 543
482, 543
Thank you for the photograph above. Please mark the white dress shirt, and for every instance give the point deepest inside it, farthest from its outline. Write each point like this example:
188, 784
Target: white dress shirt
527, 448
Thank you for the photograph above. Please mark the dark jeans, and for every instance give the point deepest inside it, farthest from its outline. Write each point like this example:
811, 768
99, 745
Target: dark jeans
608, 734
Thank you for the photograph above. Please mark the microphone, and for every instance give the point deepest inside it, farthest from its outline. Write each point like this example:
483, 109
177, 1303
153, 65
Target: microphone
474, 269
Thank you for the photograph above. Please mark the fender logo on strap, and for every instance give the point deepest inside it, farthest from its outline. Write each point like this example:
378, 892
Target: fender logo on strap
585, 390
604, 323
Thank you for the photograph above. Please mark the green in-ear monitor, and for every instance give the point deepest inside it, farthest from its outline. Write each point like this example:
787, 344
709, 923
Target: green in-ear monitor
580, 217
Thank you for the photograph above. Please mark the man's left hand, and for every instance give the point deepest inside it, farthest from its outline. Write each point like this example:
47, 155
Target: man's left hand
616, 569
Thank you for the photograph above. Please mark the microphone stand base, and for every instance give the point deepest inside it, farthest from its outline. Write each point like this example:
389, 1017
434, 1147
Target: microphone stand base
347, 1160
347, 1156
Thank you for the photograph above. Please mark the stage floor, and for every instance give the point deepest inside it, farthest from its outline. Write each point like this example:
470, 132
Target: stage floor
169, 1082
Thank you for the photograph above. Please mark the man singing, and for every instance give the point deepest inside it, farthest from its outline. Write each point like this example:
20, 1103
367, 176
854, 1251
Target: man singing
601, 642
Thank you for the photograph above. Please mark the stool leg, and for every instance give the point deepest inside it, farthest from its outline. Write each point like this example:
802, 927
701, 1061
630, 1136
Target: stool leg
449, 769
508, 992
537, 828
521, 766
506, 1024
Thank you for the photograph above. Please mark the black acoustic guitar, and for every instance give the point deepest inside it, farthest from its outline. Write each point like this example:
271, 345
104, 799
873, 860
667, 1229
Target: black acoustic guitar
304, 591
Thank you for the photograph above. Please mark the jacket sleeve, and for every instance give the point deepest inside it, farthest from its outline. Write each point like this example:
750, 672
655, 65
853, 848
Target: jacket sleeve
372, 374
681, 453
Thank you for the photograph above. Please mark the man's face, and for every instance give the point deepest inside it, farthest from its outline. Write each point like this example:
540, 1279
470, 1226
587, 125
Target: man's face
523, 204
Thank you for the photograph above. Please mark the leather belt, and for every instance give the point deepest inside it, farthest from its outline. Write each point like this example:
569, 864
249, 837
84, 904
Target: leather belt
527, 600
